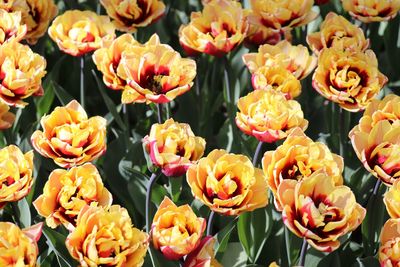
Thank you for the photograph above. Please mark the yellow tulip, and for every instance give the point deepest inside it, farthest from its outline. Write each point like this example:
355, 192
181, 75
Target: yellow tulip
295, 58
349, 78
69, 137
296, 159
372, 10
176, 231
392, 200
16, 171
390, 244
320, 211
106, 237
268, 115
228, 183
173, 147
21, 73
336, 31
203, 255
66, 193
16, 247
79, 32
6, 118
36, 14
129, 15
155, 73
276, 78
283, 13
217, 30
11, 28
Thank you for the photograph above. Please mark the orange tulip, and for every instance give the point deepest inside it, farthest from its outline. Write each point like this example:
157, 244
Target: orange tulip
106, 237
390, 244
349, 78
296, 159
129, 15
69, 137
6, 118
155, 73
173, 147
79, 32
372, 10
276, 78
108, 59
67, 192
16, 247
320, 211
217, 30
228, 183
268, 115
295, 58
16, 171
36, 14
176, 231
282, 14
336, 31
11, 28
259, 34
392, 200
203, 255
379, 150
21, 73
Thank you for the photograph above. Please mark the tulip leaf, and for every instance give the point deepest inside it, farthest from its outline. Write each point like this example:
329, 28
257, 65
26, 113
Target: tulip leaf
61, 94
108, 101
223, 237
372, 224
24, 213
234, 256
253, 230
56, 243
366, 262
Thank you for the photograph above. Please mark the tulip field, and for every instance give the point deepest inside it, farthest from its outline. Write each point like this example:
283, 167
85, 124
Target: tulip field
199, 133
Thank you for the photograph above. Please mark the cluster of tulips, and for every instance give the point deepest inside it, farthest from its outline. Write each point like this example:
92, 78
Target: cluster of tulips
304, 176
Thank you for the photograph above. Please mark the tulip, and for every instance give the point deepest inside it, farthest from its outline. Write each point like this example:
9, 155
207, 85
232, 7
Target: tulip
11, 28
390, 243
67, 192
228, 183
217, 30
173, 147
392, 200
295, 58
129, 15
69, 137
349, 78
203, 255
336, 31
155, 73
79, 32
21, 73
176, 231
296, 159
372, 10
17, 247
6, 118
319, 211
268, 115
106, 237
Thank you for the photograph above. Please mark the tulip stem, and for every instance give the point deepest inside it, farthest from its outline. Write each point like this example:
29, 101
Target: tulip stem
152, 180
159, 113
376, 187
82, 82
341, 137
303, 253
210, 223
256, 154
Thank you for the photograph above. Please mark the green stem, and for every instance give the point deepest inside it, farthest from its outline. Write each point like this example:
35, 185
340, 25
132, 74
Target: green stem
210, 223
256, 154
303, 253
159, 113
152, 181
82, 81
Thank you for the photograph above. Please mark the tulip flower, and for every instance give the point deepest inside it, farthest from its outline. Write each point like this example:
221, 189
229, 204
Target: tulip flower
372, 10
228, 183
176, 231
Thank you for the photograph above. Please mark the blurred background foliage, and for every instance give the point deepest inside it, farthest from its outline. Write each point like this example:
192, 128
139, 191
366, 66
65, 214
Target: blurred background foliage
253, 239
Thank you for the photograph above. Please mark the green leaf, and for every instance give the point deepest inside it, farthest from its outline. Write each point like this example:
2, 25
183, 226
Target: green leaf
223, 237
56, 242
61, 94
24, 213
254, 229
108, 101
234, 256
367, 262
372, 224
175, 188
